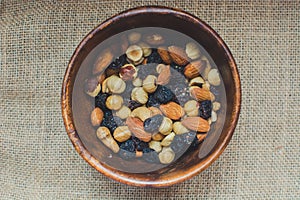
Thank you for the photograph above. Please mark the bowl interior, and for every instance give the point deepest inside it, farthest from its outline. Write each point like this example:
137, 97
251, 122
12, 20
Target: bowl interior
79, 105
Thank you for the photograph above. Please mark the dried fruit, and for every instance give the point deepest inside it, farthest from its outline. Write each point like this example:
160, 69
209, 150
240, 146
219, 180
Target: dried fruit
178, 55
96, 116
115, 66
138, 94
166, 156
172, 110
168, 139
122, 133
200, 94
163, 94
134, 53
164, 54
152, 124
135, 125
100, 100
192, 50
214, 77
205, 108
141, 112
128, 72
139, 144
92, 86
196, 124
154, 57
193, 69
104, 59
104, 135
114, 102
149, 84
164, 76
127, 150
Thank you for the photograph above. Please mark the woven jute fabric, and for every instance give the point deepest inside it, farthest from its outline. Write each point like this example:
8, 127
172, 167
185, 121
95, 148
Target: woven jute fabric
38, 161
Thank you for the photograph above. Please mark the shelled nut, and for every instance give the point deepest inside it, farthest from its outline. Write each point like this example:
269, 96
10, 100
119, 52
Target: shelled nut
114, 102
106, 138
166, 126
96, 117
128, 72
155, 145
214, 77
191, 108
178, 128
192, 50
138, 94
134, 53
115, 84
216, 106
137, 82
166, 156
149, 83
124, 112
92, 86
122, 133
168, 139
141, 112
146, 49
157, 136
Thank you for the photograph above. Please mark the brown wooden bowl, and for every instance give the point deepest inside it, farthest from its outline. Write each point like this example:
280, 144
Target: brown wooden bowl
79, 129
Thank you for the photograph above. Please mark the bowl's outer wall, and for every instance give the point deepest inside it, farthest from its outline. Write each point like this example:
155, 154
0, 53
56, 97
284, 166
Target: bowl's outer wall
155, 17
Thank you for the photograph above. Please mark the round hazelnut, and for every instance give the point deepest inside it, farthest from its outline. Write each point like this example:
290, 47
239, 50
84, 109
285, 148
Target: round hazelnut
114, 102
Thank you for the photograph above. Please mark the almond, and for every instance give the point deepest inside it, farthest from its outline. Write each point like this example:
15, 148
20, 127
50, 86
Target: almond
164, 76
196, 124
104, 59
194, 69
136, 126
164, 54
201, 137
172, 110
96, 117
178, 55
200, 94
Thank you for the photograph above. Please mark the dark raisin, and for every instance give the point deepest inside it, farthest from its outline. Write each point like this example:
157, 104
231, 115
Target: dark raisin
205, 108
163, 94
100, 100
118, 121
154, 57
133, 104
127, 149
115, 66
152, 101
109, 123
178, 68
152, 124
150, 155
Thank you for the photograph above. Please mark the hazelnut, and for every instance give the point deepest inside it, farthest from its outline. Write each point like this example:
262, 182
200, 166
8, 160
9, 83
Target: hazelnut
214, 116
106, 138
134, 53
96, 117
192, 50
114, 102
216, 106
92, 87
123, 113
138, 94
160, 67
157, 136
155, 145
122, 133
166, 156
178, 128
146, 49
104, 86
198, 81
134, 37
141, 112
128, 72
115, 84
149, 84
166, 126
214, 77
137, 82
168, 139
191, 108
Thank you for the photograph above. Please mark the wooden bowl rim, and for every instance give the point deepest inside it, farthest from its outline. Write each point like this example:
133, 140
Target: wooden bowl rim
66, 99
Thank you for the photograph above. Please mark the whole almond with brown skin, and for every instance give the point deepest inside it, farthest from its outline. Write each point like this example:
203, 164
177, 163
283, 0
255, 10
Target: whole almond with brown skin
164, 54
164, 76
136, 127
104, 59
200, 94
96, 117
196, 124
178, 55
172, 110
193, 69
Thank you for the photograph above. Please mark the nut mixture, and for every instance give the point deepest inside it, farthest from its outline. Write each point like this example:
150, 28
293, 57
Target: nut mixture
155, 100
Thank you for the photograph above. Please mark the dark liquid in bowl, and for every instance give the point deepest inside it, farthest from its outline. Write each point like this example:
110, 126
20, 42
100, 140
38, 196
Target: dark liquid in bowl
82, 104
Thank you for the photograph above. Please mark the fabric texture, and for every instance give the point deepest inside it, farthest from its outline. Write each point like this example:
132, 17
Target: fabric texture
38, 161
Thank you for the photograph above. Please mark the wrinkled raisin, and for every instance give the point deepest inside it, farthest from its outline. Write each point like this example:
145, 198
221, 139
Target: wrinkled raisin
115, 66
163, 94
152, 124
100, 100
152, 101
127, 149
154, 57
205, 108
178, 68
139, 145
133, 104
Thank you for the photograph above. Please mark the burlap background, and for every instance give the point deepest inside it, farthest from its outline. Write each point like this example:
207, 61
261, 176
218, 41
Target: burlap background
37, 159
